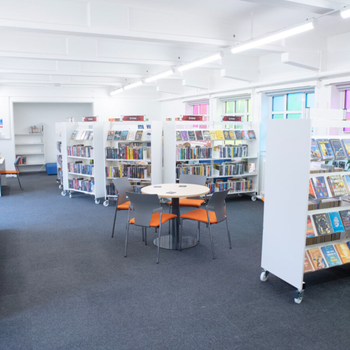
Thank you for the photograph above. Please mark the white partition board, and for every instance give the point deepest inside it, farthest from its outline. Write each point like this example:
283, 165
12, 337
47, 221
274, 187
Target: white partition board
156, 152
286, 199
169, 152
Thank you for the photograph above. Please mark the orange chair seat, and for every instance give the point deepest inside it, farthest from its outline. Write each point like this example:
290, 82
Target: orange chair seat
8, 172
200, 215
155, 219
188, 202
124, 206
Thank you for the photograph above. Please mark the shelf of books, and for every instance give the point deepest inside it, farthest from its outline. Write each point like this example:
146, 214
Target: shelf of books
315, 223
84, 165
58, 133
226, 153
132, 150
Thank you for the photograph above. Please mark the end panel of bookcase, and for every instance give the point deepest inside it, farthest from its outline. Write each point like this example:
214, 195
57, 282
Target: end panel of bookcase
169, 152
286, 199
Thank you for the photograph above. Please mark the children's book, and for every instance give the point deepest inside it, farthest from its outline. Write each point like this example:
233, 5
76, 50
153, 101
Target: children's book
212, 134
312, 193
336, 222
148, 135
227, 135
315, 152
117, 135
206, 135
346, 144
251, 134
191, 135
346, 180
317, 258
131, 136
345, 218
325, 149
124, 135
219, 135
320, 187
199, 135
336, 185
178, 136
308, 267
74, 133
323, 224
310, 232
331, 255
110, 135
245, 134
238, 135
232, 135
91, 135
139, 134
141, 126
184, 136
338, 149
343, 252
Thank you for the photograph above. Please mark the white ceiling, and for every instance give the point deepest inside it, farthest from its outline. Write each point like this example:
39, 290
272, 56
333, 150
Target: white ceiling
110, 43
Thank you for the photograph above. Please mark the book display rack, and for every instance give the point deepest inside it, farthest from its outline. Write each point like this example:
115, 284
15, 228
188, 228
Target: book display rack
132, 150
315, 225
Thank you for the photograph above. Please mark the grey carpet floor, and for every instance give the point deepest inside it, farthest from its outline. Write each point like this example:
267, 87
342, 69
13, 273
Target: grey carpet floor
65, 284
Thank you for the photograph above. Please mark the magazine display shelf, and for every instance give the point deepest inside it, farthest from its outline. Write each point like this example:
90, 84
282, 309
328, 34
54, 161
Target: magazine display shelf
170, 144
154, 162
288, 163
96, 158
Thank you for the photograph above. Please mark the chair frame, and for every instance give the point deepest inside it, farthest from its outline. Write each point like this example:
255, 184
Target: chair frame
10, 172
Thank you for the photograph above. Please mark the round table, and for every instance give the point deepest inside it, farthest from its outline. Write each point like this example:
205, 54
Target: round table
175, 192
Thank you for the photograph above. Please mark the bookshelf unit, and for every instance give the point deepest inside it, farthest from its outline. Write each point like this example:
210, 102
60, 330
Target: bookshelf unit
140, 160
216, 165
288, 170
58, 133
83, 160
31, 148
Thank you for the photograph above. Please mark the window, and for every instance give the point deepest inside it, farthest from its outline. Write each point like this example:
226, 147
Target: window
239, 108
291, 106
199, 109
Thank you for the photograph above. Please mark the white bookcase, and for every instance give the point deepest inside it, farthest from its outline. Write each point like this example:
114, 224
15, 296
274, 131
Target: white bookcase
59, 163
287, 174
151, 139
171, 159
31, 147
95, 158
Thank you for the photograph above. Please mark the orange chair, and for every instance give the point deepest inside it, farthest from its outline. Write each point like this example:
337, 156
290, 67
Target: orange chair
12, 172
214, 212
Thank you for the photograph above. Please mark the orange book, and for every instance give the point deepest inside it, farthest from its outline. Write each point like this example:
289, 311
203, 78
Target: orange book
343, 252
316, 258
307, 264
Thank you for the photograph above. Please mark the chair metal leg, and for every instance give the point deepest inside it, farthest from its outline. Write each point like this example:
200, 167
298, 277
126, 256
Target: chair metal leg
19, 182
199, 231
115, 218
211, 242
160, 229
228, 234
145, 235
169, 220
126, 238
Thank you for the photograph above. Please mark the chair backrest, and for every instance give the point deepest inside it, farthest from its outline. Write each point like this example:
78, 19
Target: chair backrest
193, 179
122, 186
16, 163
143, 207
217, 204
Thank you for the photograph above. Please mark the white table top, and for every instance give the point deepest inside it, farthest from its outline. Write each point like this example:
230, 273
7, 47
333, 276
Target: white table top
2, 160
176, 190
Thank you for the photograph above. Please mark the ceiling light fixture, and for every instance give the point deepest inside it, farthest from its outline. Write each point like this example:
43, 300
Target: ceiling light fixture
201, 62
159, 76
345, 13
286, 33
114, 92
133, 85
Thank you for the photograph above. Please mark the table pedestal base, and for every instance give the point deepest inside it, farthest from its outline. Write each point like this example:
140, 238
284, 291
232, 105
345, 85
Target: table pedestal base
169, 242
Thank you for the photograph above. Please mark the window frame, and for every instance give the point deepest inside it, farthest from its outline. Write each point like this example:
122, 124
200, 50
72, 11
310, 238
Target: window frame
234, 100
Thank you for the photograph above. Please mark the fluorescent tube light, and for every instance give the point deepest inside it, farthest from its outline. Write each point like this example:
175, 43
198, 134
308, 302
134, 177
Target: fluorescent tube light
200, 62
159, 76
345, 13
133, 85
273, 37
114, 92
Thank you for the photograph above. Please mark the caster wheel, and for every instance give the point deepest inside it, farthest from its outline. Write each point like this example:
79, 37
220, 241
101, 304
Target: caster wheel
106, 203
64, 193
60, 187
298, 300
298, 296
263, 276
97, 201
70, 195
58, 181
240, 195
253, 198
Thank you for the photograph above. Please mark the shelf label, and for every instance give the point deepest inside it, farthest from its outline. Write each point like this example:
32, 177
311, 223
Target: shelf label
138, 118
231, 118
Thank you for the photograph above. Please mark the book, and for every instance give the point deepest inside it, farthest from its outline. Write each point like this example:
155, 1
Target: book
199, 135
336, 185
320, 187
178, 136
331, 255
219, 135
346, 179
184, 136
110, 135
323, 224
338, 149
124, 135
139, 134
245, 134
345, 218
308, 267
238, 135
343, 252
312, 193
317, 258
336, 222
315, 152
117, 135
232, 134
251, 134
346, 144
227, 135
148, 135
91, 135
191, 135
310, 232
251, 168
325, 149
131, 135
74, 133
212, 134
140, 126
206, 135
